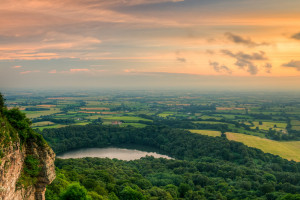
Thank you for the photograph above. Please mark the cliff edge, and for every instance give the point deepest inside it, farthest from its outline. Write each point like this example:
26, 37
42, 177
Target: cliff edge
26, 160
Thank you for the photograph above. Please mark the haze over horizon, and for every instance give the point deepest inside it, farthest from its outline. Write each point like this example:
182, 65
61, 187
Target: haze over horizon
212, 44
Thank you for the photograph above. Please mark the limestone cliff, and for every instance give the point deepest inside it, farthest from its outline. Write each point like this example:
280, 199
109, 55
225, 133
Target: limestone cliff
26, 165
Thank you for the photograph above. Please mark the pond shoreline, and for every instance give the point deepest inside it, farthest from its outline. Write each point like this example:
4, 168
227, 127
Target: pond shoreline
121, 153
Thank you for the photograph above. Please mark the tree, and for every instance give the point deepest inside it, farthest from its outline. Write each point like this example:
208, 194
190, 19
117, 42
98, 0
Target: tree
1, 102
130, 194
75, 191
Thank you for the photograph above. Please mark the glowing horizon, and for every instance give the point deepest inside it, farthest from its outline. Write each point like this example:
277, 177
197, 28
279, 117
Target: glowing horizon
49, 41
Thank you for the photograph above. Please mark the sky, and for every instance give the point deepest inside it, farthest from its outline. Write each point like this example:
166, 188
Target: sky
212, 44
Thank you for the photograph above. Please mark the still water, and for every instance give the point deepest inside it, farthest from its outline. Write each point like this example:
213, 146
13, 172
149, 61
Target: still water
110, 152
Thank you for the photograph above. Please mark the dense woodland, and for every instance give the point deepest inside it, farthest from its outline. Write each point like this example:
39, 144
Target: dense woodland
203, 168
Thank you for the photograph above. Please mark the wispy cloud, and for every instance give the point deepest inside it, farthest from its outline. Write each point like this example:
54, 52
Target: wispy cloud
52, 71
80, 70
268, 67
179, 57
246, 61
293, 64
17, 66
220, 68
28, 72
244, 41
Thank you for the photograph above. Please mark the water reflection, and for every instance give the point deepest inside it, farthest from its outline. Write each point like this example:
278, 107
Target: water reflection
110, 152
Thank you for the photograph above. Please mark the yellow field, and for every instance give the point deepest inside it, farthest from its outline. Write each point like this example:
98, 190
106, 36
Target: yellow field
267, 125
287, 150
207, 132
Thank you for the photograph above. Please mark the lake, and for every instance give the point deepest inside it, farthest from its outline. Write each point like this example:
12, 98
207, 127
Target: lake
110, 152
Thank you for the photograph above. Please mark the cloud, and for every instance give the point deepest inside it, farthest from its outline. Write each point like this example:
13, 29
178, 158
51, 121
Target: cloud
240, 40
181, 59
210, 52
52, 71
246, 61
296, 36
220, 68
268, 67
27, 72
129, 70
16, 67
79, 70
293, 63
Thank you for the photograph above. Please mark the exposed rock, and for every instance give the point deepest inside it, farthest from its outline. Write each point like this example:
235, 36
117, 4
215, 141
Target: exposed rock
12, 165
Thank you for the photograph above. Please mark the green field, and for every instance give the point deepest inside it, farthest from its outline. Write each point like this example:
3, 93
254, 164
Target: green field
208, 122
51, 126
287, 150
137, 125
165, 114
126, 118
206, 117
295, 123
278, 126
43, 123
35, 114
296, 128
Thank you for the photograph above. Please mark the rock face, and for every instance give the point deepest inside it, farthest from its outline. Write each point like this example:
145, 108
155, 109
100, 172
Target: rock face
12, 166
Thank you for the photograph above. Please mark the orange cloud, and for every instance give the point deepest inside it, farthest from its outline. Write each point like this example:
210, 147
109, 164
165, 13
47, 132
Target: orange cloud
27, 72
52, 71
79, 70
18, 66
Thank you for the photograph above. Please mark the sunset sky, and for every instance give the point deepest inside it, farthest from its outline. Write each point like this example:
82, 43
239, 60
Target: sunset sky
150, 43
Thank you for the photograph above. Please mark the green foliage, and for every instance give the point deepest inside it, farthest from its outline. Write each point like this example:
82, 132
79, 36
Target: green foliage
130, 194
75, 192
291, 197
32, 167
1, 102
95, 196
30, 172
19, 122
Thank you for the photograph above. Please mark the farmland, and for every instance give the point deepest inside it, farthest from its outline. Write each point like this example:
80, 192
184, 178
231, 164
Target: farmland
265, 115
288, 150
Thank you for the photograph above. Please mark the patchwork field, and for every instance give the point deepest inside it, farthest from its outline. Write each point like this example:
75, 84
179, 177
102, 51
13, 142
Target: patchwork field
287, 150
35, 114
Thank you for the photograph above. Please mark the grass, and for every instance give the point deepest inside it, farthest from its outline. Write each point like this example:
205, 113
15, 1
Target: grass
93, 117
81, 123
295, 123
267, 125
52, 126
296, 128
207, 132
35, 114
287, 150
165, 114
137, 125
205, 117
209, 122
43, 123
126, 118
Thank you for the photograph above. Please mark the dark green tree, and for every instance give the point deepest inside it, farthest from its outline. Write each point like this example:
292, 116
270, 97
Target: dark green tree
75, 192
130, 194
1, 102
